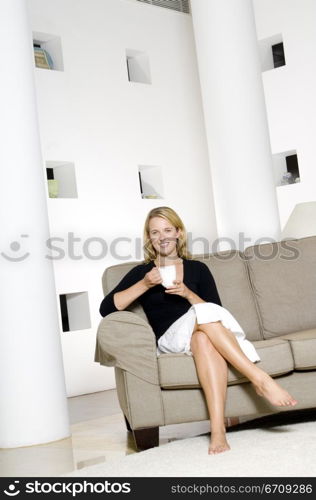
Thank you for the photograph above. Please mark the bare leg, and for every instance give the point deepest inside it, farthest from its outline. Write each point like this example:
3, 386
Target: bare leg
212, 372
225, 342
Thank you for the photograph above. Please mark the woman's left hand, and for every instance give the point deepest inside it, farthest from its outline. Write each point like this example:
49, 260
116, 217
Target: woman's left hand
179, 288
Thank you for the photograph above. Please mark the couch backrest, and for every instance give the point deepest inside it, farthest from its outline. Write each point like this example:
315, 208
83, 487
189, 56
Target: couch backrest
113, 275
231, 277
283, 279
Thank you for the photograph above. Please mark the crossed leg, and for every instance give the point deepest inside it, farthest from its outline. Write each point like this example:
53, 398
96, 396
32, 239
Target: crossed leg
218, 338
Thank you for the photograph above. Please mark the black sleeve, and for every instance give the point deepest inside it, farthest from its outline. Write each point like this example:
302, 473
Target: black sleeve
107, 305
207, 286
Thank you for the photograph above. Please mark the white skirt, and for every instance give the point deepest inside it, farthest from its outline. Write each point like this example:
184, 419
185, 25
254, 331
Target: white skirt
177, 338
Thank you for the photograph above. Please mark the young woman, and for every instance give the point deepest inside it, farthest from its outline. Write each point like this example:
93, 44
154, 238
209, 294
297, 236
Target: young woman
188, 317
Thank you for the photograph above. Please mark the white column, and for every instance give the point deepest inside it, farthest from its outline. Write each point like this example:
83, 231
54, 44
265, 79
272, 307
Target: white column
236, 120
33, 404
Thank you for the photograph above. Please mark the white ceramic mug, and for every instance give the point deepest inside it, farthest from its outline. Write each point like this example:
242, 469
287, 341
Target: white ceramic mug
168, 274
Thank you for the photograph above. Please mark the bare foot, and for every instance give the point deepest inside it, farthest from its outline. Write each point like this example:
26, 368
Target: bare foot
218, 443
273, 392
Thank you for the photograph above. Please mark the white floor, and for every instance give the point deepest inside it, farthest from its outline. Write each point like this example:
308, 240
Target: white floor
98, 435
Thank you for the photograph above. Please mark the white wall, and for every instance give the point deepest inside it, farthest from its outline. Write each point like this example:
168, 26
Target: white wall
91, 115
290, 92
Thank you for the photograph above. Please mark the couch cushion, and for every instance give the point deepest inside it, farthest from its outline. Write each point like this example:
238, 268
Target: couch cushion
283, 278
231, 277
303, 346
177, 370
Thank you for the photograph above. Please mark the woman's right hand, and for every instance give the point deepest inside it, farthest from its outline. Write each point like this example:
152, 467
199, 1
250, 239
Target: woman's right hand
152, 278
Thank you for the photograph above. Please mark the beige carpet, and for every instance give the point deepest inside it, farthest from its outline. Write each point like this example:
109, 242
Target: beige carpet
274, 451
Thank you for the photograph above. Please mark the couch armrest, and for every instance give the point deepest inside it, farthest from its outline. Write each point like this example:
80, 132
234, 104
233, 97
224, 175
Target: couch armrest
127, 341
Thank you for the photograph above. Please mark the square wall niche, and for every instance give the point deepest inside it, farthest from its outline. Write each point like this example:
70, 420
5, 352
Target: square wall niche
272, 52
150, 181
179, 5
61, 179
48, 51
138, 69
75, 311
286, 168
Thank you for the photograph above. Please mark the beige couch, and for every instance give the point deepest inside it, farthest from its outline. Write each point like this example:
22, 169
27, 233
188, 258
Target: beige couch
271, 291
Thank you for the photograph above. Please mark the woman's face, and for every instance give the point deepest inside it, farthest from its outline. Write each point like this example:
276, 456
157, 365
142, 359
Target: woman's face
163, 236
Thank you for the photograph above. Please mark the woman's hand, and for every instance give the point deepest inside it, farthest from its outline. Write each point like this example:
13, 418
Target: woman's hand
179, 288
152, 278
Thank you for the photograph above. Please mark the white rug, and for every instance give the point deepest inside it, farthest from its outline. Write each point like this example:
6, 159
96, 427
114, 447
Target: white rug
276, 451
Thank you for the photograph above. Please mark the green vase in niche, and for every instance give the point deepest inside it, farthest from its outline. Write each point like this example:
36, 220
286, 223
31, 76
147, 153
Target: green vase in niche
52, 188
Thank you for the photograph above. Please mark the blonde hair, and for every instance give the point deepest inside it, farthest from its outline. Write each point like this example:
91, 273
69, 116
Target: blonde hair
171, 216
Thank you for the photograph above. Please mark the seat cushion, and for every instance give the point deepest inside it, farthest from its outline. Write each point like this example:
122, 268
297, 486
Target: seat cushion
303, 346
283, 278
177, 370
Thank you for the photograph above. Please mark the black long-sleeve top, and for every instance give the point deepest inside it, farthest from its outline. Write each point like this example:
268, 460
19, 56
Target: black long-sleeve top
163, 309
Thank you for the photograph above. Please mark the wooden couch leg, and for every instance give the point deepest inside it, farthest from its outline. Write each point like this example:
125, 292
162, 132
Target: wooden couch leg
128, 427
146, 438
